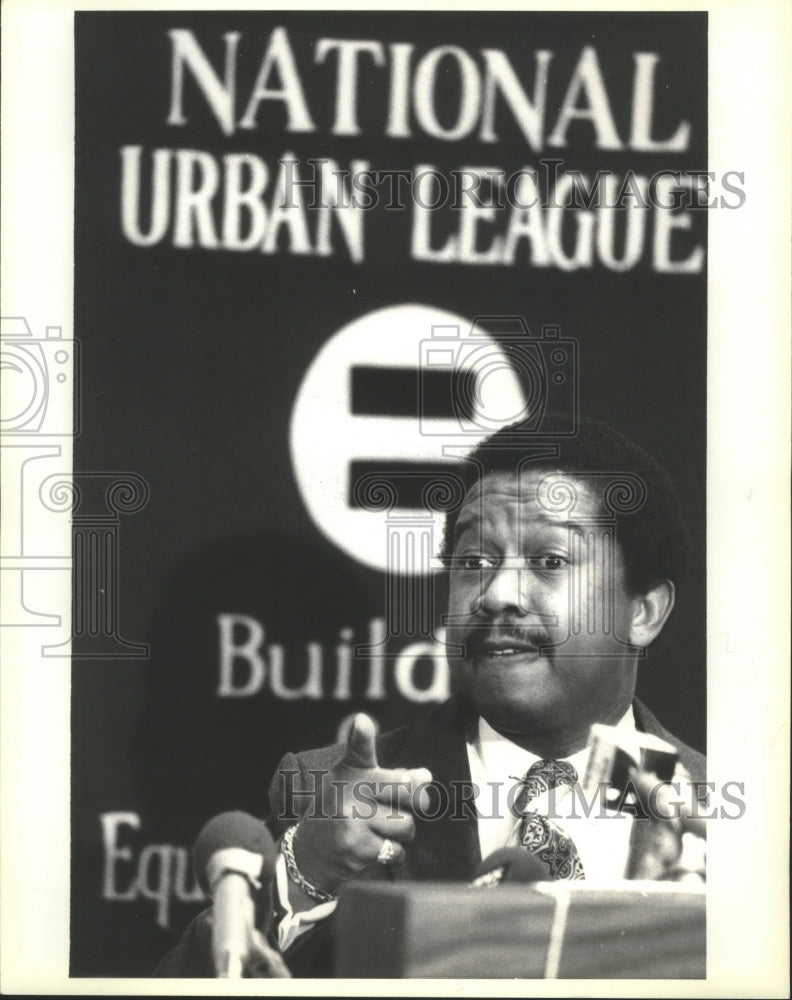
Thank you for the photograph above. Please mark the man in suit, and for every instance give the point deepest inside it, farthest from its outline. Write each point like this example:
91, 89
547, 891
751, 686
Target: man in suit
565, 556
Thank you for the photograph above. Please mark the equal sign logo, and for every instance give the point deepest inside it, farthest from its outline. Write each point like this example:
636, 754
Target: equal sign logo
376, 433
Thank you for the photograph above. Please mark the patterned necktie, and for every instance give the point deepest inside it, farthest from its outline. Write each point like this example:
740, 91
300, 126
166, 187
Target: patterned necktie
539, 834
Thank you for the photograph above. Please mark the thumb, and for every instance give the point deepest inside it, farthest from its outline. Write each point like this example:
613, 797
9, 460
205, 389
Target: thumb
360, 749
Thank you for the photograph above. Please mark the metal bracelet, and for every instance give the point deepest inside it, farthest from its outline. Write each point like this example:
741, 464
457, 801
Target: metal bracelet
320, 895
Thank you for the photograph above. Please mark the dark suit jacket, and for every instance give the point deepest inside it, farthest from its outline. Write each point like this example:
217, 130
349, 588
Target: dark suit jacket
444, 849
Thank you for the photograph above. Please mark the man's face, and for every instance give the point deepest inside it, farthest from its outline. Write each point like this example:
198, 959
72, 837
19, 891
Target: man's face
538, 601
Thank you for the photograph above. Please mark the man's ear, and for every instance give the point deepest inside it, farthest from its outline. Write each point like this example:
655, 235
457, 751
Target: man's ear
651, 611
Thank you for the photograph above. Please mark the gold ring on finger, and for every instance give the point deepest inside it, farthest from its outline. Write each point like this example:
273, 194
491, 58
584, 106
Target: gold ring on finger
386, 852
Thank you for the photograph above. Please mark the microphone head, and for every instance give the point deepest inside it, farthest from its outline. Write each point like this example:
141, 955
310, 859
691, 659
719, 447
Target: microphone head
232, 830
517, 863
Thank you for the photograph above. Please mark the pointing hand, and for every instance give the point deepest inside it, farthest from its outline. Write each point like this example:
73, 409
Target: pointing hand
358, 807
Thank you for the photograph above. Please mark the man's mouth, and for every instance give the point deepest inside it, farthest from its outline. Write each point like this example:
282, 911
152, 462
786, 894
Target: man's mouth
503, 647
505, 652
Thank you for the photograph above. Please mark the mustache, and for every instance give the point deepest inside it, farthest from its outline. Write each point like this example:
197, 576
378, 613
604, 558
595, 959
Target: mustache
477, 634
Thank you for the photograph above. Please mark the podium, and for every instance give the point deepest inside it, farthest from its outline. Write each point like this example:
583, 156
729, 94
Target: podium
562, 930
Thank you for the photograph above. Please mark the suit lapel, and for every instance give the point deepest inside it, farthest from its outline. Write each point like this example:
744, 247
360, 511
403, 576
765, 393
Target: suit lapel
446, 845
694, 761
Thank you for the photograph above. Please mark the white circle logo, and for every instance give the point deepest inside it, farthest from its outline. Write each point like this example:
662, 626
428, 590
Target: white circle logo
389, 402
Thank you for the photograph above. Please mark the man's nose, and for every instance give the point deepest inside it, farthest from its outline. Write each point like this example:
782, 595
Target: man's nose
507, 589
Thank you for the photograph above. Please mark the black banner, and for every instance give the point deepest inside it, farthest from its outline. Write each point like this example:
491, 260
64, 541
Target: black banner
280, 220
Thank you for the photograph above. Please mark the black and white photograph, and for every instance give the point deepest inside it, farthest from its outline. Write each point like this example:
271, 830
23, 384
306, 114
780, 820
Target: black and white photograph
395, 461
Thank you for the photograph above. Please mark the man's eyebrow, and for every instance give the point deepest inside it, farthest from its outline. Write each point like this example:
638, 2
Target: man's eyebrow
464, 521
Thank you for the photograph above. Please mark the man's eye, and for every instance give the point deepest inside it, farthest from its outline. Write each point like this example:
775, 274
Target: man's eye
476, 562
549, 562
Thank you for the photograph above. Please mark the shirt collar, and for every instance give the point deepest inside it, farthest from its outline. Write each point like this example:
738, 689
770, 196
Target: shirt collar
503, 759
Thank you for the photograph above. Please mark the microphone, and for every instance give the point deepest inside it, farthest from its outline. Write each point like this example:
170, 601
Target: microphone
233, 855
509, 864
